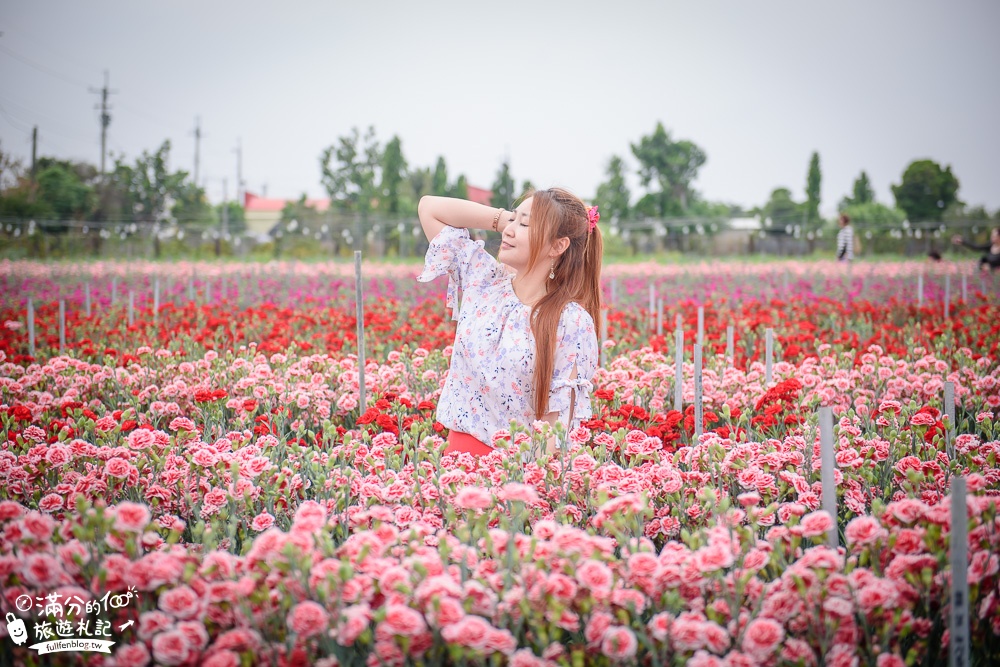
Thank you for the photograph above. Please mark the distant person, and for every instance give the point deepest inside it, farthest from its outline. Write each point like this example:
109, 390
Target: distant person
934, 256
845, 240
991, 259
526, 343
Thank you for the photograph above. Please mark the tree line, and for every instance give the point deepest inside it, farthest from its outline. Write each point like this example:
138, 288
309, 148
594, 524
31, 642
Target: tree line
364, 177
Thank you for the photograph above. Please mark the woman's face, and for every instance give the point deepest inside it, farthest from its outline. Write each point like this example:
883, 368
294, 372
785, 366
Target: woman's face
515, 246
995, 236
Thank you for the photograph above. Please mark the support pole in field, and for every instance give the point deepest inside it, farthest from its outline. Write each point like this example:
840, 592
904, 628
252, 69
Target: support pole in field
730, 347
828, 465
131, 307
191, 288
659, 316
949, 410
768, 354
698, 407
31, 327
156, 299
652, 304
62, 326
958, 647
920, 289
701, 326
114, 291
86, 298
604, 337
947, 296
360, 309
965, 288
678, 367
208, 292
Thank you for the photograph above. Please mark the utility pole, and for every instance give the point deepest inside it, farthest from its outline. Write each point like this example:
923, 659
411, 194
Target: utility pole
34, 151
223, 219
239, 171
105, 116
197, 147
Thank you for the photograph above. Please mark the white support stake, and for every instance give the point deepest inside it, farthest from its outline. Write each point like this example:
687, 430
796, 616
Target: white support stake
768, 352
360, 310
920, 289
828, 464
31, 327
62, 326
958, 647
191, 289
659, 317
949, 410
156, 299
652, 304
86, 298
678, 368
947, 295
730, 348
965, 288
603, 337
208, 292
698, 407
701, 325
131, 307
114, 291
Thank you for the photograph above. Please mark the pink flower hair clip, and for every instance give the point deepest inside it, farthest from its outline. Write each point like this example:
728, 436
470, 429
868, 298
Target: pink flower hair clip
592, 217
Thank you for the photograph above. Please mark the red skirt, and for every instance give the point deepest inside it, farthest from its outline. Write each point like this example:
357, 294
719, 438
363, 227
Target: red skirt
459, 442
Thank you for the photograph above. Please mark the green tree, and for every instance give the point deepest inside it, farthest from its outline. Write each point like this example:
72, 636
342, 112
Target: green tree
191, 207
926, 190
439, 182
781, 210
148, 188
461, 188
393, 176
149, 185
526, 187
11, 170
350, 170
613, 195
503, 187
237, 222
813, 182
69, 197
863, 192
672, 166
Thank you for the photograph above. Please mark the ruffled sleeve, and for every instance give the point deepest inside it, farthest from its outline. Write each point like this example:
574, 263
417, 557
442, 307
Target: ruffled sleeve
464, 261
577, 344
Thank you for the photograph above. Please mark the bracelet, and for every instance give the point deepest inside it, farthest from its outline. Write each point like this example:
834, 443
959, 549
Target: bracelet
496, 219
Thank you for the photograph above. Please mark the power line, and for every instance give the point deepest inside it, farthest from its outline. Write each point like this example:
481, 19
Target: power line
41, 68
13, 123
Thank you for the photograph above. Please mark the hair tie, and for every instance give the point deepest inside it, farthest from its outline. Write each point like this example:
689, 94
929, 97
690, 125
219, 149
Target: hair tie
592, 217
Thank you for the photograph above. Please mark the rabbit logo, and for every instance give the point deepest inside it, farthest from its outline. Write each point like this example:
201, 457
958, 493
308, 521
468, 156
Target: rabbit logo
15, 627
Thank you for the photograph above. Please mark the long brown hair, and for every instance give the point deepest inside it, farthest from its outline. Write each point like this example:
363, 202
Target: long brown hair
556, 213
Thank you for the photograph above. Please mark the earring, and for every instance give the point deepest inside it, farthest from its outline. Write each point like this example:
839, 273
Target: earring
552, 270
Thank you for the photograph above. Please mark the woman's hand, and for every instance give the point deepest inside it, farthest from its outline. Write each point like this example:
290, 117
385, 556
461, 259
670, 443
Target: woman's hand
506, 218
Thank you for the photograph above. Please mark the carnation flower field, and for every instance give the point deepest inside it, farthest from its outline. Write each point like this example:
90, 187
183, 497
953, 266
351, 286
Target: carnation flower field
211, 457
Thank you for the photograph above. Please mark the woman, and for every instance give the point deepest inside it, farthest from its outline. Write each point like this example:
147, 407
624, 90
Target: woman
526, 344
992, 257
845, 239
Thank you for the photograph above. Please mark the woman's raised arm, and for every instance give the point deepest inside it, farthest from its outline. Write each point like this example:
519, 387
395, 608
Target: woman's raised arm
437, 212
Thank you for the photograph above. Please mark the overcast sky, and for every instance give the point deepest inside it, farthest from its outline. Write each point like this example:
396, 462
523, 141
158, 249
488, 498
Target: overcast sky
559, 87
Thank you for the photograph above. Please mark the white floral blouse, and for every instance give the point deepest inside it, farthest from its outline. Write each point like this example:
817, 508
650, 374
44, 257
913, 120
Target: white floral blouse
489, 383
